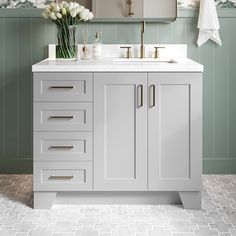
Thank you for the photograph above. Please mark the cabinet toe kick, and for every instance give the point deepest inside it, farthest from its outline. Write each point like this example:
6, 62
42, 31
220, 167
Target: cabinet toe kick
191, 200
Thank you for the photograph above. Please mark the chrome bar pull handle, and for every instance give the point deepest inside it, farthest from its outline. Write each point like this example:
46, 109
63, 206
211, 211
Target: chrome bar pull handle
61, 87
61, 117
61, 177
152, 95
140, 95
61, 147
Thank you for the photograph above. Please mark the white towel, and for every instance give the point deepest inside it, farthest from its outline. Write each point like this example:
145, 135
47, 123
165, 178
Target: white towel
208, 23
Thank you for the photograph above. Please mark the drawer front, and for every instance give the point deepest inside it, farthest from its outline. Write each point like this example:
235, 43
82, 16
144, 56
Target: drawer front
59, 146
61, 116
60, 176
63, 87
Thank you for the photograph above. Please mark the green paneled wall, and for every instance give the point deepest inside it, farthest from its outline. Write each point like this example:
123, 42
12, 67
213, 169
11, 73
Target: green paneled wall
24, 36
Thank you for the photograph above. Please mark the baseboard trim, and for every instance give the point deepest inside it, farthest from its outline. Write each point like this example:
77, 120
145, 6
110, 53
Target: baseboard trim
16, 166
219, 166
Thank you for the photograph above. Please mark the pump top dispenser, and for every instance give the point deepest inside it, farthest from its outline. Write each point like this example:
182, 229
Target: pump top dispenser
97, 46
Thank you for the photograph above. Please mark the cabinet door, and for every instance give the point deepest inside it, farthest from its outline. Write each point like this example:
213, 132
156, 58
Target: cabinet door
120, 131
117, 8
174, 131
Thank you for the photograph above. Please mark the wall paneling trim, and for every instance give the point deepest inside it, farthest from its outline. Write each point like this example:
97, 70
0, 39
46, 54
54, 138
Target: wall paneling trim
24, 36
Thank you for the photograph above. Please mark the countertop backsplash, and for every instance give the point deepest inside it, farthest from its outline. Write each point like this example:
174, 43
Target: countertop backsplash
42, 3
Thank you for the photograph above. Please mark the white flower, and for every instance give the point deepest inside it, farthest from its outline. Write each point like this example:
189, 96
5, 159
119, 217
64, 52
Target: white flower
46, 13
84, 14
56, 11
90, 16
58, 15
63, 11
79, 9
52, 16
56, 8
71, 6
52, 5
73, 12
63, 4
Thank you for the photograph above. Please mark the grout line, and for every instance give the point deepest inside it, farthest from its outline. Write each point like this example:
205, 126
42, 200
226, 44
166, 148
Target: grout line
185, 31
31, 91
115, 33
17, 89
129, 42
157, 36
102, 39
4, 95
214, 103
45, 39
227, 90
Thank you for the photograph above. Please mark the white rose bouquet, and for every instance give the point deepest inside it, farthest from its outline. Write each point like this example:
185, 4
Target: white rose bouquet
66, 17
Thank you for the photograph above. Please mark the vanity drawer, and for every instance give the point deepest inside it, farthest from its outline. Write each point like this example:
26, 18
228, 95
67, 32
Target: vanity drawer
63, 86
60, 176
63, 146
67, 116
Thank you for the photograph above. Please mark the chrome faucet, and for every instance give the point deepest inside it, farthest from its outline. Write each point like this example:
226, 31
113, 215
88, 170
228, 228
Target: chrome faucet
142, 47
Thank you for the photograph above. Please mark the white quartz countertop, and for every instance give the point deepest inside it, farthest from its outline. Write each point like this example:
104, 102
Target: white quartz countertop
109, 65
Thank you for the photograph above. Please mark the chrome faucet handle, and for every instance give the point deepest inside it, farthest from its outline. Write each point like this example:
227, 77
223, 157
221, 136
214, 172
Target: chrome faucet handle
157, 53
128, 53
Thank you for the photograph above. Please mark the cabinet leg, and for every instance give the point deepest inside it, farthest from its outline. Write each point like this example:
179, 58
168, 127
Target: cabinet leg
44, 200
191, 200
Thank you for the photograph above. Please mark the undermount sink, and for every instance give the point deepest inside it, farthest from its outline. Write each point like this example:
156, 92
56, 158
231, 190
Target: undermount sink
145, 60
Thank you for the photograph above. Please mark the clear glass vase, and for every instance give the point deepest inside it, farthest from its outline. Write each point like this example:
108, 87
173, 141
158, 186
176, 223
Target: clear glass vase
66, 47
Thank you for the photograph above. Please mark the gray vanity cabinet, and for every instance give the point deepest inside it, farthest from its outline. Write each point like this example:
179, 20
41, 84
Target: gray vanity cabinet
174, 132
133, 132
120, 131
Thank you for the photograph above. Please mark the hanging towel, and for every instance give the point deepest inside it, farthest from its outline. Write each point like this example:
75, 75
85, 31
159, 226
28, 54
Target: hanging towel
208, 23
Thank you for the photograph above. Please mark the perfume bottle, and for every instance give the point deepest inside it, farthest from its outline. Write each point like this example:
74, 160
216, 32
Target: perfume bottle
85, 53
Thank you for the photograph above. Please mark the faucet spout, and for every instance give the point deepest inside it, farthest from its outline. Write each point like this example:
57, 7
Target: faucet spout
142, 47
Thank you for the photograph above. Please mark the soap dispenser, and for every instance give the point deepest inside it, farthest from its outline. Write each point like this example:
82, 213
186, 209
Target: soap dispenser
97, 46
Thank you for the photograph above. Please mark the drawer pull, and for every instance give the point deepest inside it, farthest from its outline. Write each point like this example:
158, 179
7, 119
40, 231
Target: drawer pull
140, 95
61, 147
152, 95
61, 87
61, 117
61, 177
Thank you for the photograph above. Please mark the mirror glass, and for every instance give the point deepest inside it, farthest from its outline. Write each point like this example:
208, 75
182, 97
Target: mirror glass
133, 10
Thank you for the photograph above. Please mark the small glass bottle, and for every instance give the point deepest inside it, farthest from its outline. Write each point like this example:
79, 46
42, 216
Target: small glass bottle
85, 53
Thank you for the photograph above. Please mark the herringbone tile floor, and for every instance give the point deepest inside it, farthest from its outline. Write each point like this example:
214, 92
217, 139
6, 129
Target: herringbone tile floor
217, 217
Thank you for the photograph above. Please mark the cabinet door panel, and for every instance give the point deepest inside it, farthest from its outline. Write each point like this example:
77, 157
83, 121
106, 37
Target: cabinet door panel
120, 154
174, 129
